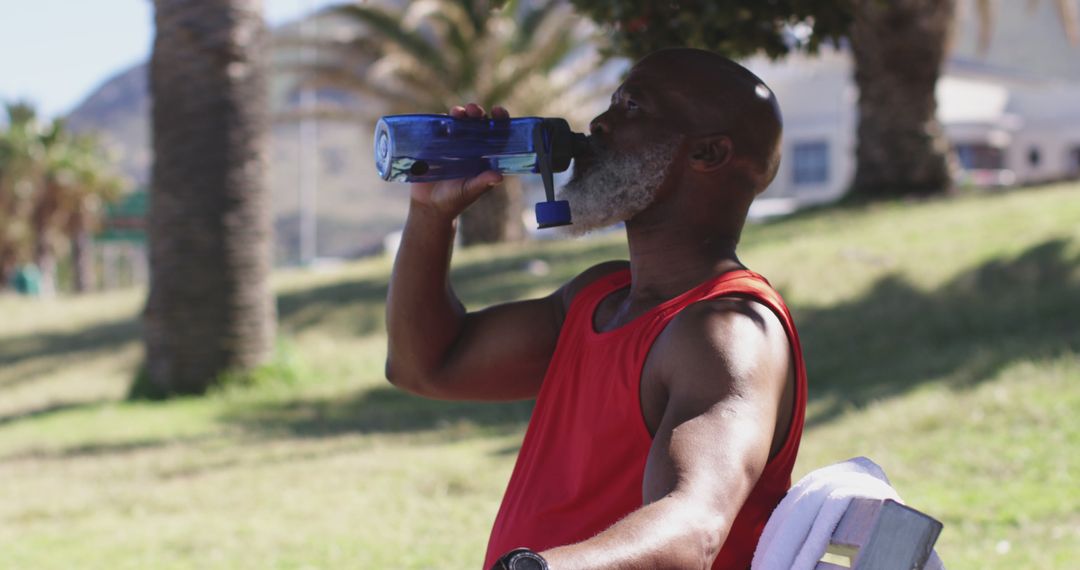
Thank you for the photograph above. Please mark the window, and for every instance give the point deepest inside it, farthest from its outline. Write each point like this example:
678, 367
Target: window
322, 97
980, 156
811, 162
1034, 157
334, 160
1074, 162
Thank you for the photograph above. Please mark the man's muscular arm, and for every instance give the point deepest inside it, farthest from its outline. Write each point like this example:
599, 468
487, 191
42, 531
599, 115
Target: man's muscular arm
723, 367
436, 348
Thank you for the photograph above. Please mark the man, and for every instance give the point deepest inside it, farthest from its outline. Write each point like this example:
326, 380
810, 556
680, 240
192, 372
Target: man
670, 389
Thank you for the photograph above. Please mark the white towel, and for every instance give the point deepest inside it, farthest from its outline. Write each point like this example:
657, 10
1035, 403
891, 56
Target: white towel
847, 486
798, 532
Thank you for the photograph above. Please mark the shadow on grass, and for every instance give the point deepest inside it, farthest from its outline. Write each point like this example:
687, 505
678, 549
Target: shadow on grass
384, 409
45, 411
358, 307
880, 345
36, 354
896, 336
92, 450
363, 301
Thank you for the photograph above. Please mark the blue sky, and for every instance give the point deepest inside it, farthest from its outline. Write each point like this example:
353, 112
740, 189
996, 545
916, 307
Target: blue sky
55, 52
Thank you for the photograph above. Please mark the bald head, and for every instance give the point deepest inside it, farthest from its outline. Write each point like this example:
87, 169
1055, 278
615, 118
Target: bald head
702, 93
689, 136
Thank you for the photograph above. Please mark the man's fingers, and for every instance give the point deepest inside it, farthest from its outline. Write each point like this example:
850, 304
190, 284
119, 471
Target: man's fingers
472, 188
474, 111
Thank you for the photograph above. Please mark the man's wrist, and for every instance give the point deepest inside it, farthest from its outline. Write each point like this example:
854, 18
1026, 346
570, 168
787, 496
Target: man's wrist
427, 213
520, 559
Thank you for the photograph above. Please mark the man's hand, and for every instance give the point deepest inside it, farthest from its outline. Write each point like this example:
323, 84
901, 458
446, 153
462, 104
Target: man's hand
449, 198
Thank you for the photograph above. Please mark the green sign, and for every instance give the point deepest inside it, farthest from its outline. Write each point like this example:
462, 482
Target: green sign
125, 220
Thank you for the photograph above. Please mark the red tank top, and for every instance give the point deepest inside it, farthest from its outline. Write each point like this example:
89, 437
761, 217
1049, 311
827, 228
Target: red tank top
582, 463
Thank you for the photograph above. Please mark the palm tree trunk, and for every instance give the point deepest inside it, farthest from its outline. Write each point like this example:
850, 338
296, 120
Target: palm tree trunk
210, 307
7, 265
899, 48
81, 257
495, 217
46, 205
45, 260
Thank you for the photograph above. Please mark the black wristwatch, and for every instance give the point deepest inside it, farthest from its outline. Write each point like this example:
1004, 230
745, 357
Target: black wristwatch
520, 559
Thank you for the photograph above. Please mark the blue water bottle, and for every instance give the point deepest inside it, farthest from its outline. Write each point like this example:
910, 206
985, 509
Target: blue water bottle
427, 148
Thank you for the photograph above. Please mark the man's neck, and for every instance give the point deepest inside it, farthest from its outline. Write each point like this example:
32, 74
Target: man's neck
667, 260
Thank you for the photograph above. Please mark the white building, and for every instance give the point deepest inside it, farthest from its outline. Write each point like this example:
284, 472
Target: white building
1005, 128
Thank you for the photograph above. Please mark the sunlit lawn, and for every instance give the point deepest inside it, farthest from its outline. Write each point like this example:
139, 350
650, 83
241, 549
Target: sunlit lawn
943, 341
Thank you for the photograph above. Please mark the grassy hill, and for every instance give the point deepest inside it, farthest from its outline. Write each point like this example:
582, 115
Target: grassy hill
942, 337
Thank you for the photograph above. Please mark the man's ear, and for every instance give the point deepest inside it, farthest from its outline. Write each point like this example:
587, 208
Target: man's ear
710, 153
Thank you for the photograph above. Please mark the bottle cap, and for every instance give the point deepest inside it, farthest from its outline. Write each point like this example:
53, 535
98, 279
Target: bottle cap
384, 150
552, 214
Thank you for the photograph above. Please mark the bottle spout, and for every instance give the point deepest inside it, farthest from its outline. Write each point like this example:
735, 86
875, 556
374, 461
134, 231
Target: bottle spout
579, 144
554, 213
554, 143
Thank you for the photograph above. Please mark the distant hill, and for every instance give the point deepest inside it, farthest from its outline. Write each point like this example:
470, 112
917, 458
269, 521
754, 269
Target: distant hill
119, 111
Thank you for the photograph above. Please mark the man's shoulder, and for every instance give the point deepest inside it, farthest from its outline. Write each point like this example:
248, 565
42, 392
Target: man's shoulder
728, 331
720, 314
714, 349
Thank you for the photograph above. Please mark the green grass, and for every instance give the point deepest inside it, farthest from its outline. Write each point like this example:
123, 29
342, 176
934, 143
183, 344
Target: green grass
942, 338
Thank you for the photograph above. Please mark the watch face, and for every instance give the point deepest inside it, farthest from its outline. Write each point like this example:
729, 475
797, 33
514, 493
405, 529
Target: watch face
527, 561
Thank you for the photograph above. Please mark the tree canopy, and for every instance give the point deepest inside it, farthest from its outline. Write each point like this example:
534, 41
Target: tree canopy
731, 27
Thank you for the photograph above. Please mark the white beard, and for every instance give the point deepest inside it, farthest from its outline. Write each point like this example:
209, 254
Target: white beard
617, 186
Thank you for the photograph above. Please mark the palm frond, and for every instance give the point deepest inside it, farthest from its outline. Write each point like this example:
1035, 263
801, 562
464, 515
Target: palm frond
455, 30
1070, 19
528, 24
986, 12
401, 73
437, 53
553, 39
478, 11
390, 28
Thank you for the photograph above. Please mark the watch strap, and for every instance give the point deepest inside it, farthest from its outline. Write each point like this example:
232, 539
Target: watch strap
520, 559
